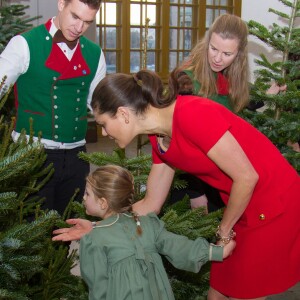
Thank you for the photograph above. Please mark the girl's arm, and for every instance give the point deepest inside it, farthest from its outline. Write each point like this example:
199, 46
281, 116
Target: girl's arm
228, 155
158, 186
186, 254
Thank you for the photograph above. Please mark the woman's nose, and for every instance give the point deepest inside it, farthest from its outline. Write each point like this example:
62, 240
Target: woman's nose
218, 57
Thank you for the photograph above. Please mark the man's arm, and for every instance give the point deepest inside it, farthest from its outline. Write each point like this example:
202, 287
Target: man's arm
14, 60
100, 74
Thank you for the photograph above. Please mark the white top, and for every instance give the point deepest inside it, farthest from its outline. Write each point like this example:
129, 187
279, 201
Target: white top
14, 61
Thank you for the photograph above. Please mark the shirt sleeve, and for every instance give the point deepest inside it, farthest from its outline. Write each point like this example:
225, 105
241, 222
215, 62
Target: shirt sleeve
100, 74
93, 268
14, 60
181, 252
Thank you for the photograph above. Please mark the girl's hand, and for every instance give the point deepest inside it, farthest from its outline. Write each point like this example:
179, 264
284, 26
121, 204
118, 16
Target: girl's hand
76, 232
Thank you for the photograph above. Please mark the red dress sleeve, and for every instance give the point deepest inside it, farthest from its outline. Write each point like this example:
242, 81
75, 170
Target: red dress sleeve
202, 123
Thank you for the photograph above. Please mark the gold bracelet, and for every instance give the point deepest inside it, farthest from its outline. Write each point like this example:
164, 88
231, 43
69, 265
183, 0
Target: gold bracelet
224, 239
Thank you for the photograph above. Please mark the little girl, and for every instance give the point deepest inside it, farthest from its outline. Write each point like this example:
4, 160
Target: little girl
120, 258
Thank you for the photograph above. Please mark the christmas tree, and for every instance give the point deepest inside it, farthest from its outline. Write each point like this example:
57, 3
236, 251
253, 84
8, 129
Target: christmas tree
280, 120
12, 22
31, 265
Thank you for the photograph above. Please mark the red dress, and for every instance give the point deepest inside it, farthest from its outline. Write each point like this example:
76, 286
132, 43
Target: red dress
267, 256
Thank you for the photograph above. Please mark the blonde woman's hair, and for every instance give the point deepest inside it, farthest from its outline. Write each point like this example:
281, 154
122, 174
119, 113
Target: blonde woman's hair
116, 185
228, 27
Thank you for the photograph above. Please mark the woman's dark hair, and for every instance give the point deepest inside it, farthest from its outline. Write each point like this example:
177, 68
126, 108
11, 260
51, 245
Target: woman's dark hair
180, 83
135, 91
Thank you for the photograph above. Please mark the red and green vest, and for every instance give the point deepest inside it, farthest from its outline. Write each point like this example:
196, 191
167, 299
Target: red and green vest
53, 91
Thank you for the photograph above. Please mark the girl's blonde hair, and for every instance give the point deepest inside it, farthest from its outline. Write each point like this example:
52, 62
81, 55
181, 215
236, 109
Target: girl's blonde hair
116, 185
228, 27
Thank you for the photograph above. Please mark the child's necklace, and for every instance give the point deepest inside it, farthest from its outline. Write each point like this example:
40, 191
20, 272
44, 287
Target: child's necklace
94, 224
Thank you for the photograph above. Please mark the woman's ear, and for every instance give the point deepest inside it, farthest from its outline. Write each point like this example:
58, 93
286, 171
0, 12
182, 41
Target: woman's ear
123, 113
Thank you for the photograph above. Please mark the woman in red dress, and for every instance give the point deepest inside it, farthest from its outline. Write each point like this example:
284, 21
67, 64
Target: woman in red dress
258, 186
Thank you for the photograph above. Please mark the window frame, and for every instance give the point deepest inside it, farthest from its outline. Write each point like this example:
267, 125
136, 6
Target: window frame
162, 27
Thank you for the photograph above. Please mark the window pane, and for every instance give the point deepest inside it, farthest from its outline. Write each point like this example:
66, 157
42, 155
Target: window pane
173, 61
174, 16
180, 57
188, 17
188, 39
151, 14
135, 61
181, 37
110, 58
151, 60
173, 39
135, 40
151, 38
135, 14
98, 36
111, 41
209, 18
185, 39
109, 13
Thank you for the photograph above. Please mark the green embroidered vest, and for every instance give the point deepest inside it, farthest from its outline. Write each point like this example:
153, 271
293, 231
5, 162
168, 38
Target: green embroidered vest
53, 91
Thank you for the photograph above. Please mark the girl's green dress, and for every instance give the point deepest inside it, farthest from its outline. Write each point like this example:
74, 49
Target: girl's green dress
117, 263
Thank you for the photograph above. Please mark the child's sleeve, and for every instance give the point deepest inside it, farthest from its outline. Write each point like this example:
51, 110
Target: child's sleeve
182, 252
93, 268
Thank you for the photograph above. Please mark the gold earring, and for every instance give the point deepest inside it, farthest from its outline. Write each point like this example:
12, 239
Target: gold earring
127, 121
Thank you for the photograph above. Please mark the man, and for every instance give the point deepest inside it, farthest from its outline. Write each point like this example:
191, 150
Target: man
54, 83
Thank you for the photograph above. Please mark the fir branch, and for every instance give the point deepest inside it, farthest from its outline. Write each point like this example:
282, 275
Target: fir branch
287, 3
279, 13
7, 202
9, 295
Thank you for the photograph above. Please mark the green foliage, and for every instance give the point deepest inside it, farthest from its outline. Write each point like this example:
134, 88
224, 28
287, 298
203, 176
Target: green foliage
12, 22
280, 120
139, 166
31, 265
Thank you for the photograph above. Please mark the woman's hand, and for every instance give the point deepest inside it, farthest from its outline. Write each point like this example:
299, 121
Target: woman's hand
274, 89
76, 232
228, 248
